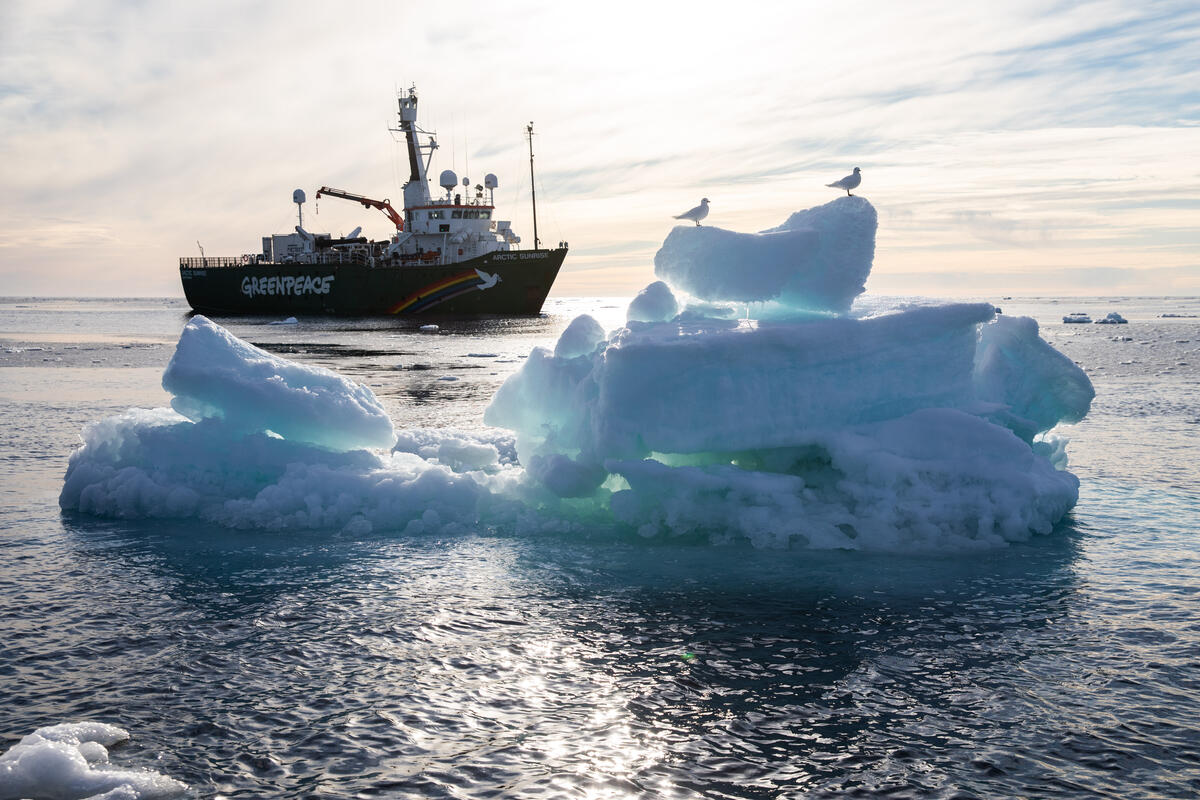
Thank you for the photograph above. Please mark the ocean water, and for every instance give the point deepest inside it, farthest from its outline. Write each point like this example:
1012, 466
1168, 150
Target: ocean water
252, 664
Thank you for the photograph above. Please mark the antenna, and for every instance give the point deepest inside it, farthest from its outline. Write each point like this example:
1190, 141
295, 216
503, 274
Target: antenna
532, 187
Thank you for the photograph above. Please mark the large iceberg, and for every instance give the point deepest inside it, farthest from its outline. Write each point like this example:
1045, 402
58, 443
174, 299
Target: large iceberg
812, 425
908, 427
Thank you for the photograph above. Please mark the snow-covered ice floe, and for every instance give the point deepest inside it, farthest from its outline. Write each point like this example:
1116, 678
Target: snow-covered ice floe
70, 761
922, 427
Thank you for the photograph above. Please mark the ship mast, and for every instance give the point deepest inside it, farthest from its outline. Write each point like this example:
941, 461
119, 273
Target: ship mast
416, 191
532, 187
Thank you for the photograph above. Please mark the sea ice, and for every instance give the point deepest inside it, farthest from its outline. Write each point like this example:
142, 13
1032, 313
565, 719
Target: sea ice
1036, 386
932, 479
70, 761
580, 338
727, 386
916, 427
157, 464
655, 303
909, 427
1112, 318
215, 374
817, 260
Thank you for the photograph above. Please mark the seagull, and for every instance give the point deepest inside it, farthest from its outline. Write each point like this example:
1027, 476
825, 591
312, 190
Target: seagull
698, 213
849, 182
488, 280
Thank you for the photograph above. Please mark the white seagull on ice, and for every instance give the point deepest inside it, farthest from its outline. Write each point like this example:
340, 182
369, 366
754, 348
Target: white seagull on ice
849, 182
696, 214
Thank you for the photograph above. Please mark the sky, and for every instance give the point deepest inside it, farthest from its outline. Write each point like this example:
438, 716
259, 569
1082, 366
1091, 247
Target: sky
1017, 148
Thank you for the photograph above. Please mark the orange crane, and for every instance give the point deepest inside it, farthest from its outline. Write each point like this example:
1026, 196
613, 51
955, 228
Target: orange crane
383, 205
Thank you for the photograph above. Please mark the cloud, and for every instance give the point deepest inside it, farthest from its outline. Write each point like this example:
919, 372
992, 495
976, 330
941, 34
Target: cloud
1020, 136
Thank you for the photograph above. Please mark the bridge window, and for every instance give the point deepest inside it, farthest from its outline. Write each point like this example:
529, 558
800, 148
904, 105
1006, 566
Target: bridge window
456, 214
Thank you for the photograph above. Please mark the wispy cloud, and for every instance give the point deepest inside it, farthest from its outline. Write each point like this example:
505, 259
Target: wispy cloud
1024, 138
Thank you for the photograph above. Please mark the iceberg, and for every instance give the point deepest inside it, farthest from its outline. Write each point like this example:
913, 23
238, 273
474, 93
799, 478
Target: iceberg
818, 424
256, 441
914, 427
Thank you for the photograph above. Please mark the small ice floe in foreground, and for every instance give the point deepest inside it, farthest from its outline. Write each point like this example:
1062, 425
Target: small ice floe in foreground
849, 182
70, 761
696, 214
430, 328
1113, 318
1077, 318
288, 321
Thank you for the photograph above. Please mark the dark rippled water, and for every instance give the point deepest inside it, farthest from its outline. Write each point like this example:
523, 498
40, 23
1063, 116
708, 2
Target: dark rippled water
507, 664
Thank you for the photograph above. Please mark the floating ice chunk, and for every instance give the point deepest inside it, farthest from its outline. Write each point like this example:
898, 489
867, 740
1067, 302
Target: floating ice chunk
70, 761
430, 328
819, 259
215, 374
655, 303
580, 337
877, 432
1112, 318
288, 321
1038, 386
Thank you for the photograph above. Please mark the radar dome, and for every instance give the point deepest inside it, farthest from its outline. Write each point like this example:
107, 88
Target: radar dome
298, 196
490, 182
448, 179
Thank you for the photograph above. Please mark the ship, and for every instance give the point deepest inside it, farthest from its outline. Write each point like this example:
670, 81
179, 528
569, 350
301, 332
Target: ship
449, 255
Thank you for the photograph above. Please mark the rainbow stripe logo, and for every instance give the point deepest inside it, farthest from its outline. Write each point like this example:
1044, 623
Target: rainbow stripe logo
438, 292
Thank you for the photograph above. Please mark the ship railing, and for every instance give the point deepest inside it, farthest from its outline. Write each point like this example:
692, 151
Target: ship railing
209, 262
328, 258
